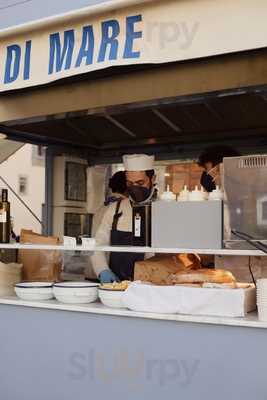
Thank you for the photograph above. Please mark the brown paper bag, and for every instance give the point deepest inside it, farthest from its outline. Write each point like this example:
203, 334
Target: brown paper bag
159, 269
40, 265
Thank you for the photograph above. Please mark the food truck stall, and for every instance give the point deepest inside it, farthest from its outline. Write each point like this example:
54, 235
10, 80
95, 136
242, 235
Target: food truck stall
164, 78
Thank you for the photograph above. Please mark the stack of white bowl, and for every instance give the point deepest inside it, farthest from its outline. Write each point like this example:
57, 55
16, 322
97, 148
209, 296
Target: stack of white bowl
262, 299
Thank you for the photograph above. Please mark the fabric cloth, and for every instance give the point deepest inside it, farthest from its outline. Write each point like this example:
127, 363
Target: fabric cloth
145, 297
138, 162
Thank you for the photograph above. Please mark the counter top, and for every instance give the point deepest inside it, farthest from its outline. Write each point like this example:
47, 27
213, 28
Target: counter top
250, 321
134, 249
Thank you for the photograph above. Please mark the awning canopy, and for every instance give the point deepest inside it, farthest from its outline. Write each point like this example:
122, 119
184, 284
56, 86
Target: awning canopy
133, 75
173, 110
8, 148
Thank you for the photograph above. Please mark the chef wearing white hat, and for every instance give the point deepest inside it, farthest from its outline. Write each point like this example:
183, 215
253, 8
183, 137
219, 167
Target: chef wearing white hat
116, 226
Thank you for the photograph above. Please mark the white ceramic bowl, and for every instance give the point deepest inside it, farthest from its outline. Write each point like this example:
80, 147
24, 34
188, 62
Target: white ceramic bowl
35, 291
111, 298
76, 292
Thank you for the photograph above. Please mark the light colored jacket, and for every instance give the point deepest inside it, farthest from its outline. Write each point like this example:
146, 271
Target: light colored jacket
100, 260
98, 216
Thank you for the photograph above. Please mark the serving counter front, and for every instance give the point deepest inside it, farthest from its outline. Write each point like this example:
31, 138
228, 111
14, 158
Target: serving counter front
56, 351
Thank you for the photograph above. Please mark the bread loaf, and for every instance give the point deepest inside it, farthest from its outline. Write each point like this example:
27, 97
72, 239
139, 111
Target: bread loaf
160, 268
203, 275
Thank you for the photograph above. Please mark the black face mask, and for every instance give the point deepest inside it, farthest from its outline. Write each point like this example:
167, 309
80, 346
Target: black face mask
139, 194
207, 182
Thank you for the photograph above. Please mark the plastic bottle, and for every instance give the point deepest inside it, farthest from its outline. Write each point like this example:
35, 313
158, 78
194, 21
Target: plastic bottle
184, 194
168, 195
216, 194
197, 195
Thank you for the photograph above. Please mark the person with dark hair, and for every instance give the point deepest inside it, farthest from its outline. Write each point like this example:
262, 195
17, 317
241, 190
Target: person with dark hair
210, 159
118, 187
116, 226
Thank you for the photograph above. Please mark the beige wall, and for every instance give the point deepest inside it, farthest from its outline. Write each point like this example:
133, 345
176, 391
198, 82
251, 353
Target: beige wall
20, 163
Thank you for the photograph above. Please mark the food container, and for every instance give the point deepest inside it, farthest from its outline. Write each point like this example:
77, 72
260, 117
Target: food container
179, 299
10, 275
197, 195
184, 194
75, 292
168, 195
262, 299
111, 298
35, 291
216, 194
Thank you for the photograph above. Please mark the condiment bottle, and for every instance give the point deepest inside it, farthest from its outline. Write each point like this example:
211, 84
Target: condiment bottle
216, 194
5, 227
184, 194
168, 195
196, 195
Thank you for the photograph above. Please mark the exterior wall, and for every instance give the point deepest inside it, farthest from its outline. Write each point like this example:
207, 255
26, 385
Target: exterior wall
55, 355
182, 174
22, 163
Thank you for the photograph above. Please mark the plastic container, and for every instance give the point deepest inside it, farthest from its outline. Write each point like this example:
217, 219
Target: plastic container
184, 194
34, 291
168, 195
216, 194
205, 194
111, 298
10, 274
262, 299
76, 292
197, 195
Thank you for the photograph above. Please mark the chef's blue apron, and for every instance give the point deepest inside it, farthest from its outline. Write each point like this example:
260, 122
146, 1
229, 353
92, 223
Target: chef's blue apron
122, 264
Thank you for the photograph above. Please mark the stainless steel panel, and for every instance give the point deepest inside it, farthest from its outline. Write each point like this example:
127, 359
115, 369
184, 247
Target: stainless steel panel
191, 225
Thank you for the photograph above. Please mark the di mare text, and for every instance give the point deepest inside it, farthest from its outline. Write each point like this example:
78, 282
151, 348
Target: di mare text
117, 39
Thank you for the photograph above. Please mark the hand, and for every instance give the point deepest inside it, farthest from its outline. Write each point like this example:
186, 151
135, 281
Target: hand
215, 174
107, 276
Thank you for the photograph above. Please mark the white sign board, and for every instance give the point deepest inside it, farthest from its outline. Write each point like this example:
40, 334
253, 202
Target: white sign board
155, 32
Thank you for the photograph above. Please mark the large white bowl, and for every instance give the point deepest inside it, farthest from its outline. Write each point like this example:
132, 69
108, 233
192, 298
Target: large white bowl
76, 292
111, 298
35, 291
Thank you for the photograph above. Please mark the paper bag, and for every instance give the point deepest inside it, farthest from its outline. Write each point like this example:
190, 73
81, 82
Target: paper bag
40, 265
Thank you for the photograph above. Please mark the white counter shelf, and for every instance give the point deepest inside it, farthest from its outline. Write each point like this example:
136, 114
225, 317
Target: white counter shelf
250, 321
131, 249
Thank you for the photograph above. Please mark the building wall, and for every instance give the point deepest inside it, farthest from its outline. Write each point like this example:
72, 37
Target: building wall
25, 162
182, 174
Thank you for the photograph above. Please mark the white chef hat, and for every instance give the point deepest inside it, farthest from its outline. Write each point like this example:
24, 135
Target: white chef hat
138, 162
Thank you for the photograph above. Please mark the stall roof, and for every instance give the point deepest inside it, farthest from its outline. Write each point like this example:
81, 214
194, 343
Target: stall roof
238, 118
17, 12
173, 110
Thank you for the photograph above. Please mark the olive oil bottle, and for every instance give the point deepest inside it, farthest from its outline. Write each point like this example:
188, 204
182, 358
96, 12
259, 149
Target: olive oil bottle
5, 218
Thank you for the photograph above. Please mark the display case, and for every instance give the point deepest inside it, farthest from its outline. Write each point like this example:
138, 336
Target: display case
245, 185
